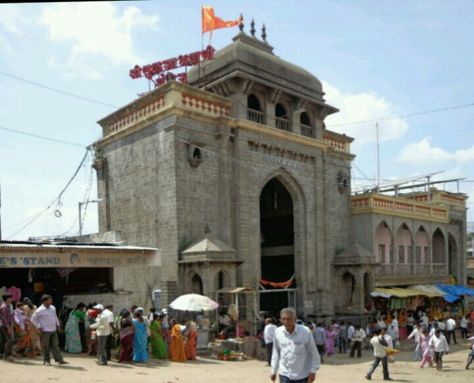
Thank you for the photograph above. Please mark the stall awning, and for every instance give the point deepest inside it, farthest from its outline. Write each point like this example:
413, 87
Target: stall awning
412, 291
454, 292
450, 293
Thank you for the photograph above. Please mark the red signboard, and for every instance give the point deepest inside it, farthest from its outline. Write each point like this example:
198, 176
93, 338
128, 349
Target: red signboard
160, 71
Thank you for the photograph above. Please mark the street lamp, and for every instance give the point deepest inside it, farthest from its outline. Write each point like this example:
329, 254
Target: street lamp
80, 211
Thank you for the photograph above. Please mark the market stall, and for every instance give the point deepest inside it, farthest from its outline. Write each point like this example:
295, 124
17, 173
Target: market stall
244, 344
439, 301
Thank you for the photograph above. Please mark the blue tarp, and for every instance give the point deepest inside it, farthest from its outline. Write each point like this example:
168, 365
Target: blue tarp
454, 292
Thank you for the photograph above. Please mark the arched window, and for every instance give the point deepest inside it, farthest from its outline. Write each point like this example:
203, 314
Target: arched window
197, 153
280, 111
281, 118
304, 119
196, 284
305, 125
253, 103
254, 110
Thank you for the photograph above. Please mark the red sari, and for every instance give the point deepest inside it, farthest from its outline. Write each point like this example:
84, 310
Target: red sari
191, 345
126, 340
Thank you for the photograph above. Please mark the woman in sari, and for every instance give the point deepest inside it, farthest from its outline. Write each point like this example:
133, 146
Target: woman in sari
158, 348
31, 329
176, 350
140, 338
126, 337
24, 345
191, 341
425, 348
73, 337
330, 340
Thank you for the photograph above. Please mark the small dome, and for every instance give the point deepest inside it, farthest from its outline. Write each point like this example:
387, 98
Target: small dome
251, 58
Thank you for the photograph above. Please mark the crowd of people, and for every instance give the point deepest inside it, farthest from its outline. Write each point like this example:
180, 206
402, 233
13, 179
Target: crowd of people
27, 331
382, 335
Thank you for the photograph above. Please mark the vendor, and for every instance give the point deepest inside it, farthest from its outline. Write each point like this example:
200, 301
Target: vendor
225, 324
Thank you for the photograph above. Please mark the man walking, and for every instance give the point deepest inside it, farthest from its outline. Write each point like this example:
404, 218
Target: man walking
320, 339
268, 337
6, 328
416, 335
380, 355
108, 312
451, 330
440, 347
295, 355
46, 320
103, 332
357, 339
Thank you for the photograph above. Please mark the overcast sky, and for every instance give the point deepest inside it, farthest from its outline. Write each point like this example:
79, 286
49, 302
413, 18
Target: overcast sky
375, 59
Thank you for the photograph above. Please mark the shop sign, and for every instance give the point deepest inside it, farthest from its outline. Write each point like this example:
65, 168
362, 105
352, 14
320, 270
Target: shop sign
160, 71
35, 260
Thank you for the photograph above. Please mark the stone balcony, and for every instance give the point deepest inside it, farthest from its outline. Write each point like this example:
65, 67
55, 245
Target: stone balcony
405, 274
397, 206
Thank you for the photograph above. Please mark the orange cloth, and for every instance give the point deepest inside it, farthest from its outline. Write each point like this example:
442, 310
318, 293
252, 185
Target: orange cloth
191, 345
176, 351
211, 21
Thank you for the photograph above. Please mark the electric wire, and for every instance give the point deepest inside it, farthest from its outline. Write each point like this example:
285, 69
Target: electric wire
56, 140
58, 90
56, 200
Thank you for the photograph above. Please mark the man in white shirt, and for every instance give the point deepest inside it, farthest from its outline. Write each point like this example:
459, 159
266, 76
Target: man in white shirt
294, 355
463, 324
416, 335
268, 337
424, 320
108, 312
102, 328
440, 346
451, 330
47, 322
380, 355
357, 339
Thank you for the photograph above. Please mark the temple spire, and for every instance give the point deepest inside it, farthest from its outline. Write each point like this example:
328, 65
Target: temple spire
241, 25
252, 28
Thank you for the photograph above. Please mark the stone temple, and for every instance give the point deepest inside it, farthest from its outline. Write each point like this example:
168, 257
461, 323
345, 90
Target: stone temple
237, 181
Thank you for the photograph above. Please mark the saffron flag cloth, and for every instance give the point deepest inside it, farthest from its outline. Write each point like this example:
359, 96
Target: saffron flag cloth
211, 21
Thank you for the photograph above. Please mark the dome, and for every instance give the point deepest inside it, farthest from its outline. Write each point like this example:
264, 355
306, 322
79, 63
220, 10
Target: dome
250, 58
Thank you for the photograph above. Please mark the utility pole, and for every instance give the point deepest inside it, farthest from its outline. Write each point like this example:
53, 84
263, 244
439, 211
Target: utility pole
80, 212
0, 212
378, 153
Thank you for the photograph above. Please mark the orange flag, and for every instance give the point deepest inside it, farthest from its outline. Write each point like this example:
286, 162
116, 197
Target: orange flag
211, 21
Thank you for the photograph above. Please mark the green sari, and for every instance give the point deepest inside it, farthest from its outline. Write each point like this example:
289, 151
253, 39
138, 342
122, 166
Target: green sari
158, 348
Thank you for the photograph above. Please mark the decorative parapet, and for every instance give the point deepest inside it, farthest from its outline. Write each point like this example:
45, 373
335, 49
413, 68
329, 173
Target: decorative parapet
134, 116
338, 141
205, 105
148, 108
396, 206
457, 200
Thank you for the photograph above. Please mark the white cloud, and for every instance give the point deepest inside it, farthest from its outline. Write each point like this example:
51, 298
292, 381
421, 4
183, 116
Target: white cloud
95, 32
361, 107
11, 18
424, 153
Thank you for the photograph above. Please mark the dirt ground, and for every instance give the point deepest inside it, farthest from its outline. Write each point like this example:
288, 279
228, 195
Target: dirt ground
338, 368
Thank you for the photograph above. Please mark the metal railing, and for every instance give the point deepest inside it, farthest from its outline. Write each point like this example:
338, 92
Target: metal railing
255, 116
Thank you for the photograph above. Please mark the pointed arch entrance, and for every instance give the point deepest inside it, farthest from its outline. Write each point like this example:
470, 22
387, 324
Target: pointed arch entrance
276, 243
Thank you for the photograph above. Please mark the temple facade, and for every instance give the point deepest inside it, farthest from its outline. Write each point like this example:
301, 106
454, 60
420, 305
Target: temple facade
236, 180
